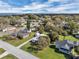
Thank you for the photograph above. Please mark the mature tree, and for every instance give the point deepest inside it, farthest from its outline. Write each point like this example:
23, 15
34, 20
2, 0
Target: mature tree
41, 29
73, 26
77, 49
13, 22
28, 25
32, 16
59, 30
49, 26
64, 34
53, 36
42, 43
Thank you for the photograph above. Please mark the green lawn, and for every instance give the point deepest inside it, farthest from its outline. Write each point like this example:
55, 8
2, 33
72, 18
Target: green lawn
9, 57
47, 53
68, 38
1, 51
50, 53
18, 42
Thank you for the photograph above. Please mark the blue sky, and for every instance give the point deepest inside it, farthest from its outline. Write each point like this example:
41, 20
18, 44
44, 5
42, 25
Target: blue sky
39, 6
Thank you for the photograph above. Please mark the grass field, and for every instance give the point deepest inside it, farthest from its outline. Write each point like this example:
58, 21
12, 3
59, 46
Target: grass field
1, 51
47, 53
18, 42
9, 57
71, 38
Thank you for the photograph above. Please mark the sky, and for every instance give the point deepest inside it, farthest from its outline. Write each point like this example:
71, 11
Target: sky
39, 6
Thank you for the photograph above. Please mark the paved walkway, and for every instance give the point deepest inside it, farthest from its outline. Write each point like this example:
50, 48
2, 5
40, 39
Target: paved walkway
15, 51
24, 43
4, 54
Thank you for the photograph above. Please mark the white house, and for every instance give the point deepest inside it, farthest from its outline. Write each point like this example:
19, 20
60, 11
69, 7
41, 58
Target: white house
37, 35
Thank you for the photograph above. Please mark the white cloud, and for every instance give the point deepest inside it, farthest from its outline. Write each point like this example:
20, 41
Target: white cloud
36, 7
54, 0
63, 8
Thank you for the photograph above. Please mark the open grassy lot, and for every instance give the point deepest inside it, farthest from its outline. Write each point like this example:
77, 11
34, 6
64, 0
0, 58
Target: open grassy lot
20, 41
9, 57
1, 51
68, 38
47, 53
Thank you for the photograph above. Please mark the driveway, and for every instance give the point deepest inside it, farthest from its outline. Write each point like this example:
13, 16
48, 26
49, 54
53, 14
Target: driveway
15, 51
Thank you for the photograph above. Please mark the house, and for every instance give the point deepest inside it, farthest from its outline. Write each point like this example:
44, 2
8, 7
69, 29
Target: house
37, 35
21, 22
76, 43
76, 34
21, 34
66, 26
34, 24
75, 57
64, 46
10, 28
36, 38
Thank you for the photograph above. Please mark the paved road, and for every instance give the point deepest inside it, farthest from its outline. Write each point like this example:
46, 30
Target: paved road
15, 51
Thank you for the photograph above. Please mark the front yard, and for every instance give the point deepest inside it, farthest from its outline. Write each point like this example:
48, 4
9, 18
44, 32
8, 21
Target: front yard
20, 41
47, 53
50, 52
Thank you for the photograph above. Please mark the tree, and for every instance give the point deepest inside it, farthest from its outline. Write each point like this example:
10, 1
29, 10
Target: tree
77, 49
64, 34
73, 26
42, 43
13, 22
41, 29
53, 36
59, 30
49, 26
28, 25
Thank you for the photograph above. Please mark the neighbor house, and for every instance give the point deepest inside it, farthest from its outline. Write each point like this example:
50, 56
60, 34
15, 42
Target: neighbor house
9, 28
21, 34
21, 22
75, 57
34, 24
76, 34
64, 46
